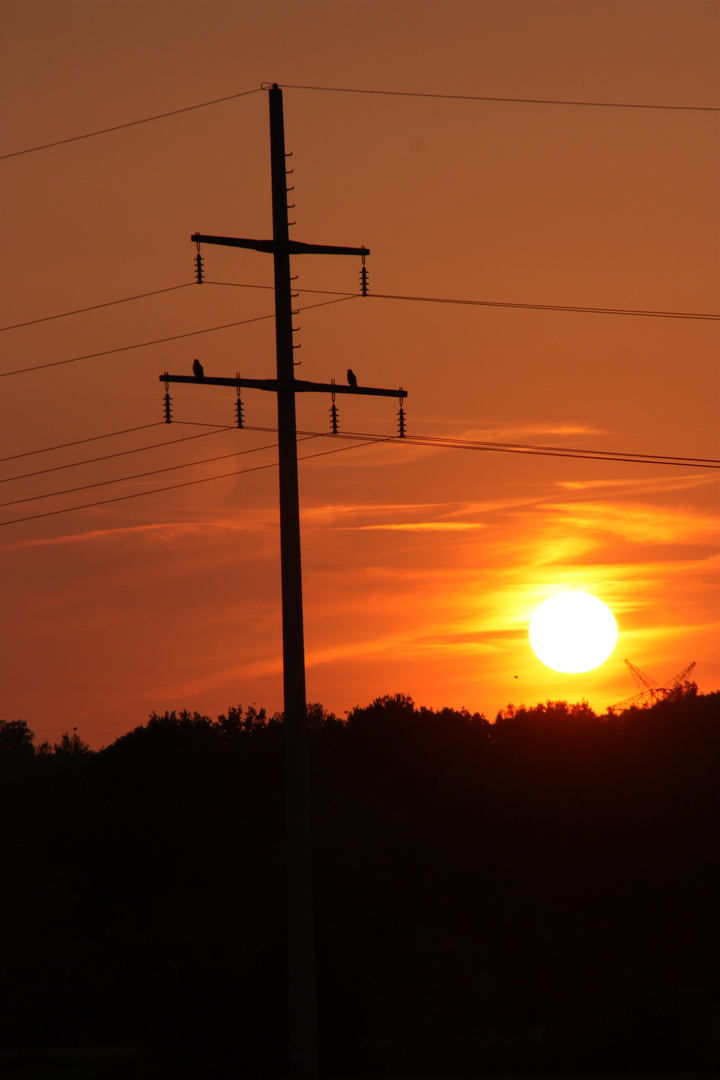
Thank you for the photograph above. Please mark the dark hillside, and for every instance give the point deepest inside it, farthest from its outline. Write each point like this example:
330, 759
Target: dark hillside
539, 893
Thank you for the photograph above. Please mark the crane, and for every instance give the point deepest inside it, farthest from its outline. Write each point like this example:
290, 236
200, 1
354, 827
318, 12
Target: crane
650, 689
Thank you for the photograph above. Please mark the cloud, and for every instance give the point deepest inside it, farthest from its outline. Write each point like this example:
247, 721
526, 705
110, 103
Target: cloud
439, 513
643, 483
391, 644
472, 637
512, 430
168, 531
423, 526
635, 522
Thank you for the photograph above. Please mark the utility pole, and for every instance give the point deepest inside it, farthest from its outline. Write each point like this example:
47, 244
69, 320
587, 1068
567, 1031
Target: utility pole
301, 935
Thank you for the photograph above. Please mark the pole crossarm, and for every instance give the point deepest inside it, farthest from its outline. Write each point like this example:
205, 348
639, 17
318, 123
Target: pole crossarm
212, 380
302, 386
298, 385
286, 247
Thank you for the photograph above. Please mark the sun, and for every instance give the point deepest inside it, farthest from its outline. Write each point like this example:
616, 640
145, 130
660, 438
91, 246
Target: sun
573, 632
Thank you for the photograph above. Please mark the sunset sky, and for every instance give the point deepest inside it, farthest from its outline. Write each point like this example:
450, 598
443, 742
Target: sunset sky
422, 564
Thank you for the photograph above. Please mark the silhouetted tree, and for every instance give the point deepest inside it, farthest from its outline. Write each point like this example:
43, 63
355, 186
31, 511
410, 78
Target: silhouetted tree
539, 893
71, 745
15, 738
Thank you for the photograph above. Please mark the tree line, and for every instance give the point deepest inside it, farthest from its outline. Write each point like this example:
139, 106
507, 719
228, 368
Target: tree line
539, 892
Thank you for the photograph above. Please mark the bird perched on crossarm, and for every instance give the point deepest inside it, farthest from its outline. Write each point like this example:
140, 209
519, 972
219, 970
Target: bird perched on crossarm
352, 379
198, 370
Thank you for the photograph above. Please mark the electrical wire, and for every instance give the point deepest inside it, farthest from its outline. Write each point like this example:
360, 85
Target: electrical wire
189, 483
136, 345
367, 439
437, 441
138, 494
96, 307
494, 303
557, 451
116, 454
341, 295
144, 475
513, 100
171, 337
359, 90
129, 124
79, 442
552, 307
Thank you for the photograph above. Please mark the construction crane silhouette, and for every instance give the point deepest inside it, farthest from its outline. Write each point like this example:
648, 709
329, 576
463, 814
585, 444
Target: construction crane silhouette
650, 689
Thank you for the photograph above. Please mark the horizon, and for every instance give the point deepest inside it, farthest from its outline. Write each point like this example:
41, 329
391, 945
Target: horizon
636, 703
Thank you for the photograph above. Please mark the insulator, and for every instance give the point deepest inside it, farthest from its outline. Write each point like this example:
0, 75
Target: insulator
199, 268
364, 281
168, 408
239, 413
334, 418
401, 423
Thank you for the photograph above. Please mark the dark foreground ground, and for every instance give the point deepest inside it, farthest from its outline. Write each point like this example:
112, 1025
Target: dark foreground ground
130, 1063
537, 896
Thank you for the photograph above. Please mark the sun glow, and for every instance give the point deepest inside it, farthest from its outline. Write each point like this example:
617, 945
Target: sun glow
573, 632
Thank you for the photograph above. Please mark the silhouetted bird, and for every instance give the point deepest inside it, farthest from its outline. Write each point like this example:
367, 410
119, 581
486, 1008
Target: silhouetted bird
198, 371
351, 378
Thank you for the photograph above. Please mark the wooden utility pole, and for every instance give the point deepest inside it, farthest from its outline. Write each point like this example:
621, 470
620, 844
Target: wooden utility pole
301, 935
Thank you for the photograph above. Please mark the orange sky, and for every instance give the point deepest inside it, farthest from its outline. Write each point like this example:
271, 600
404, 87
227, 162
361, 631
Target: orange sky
421, 566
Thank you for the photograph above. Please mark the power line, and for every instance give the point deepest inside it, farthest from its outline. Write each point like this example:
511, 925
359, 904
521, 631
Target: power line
171, 337
440, 442
96, 307
528, 448
188, 483
136, 345
138, 494
131, 123
143, 475
567, 452
359, 90
116, 454
706, 316
360, 439
513, 100
552, 307
496, 303
79, 442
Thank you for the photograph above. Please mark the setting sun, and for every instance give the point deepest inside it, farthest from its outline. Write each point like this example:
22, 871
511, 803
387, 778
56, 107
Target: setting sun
573, 632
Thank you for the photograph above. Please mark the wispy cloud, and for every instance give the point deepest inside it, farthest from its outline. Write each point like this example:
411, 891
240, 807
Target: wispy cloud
423, 526
524, 430
188, 688
646, 483
433, 515
161, 530
389, 644
635, 522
